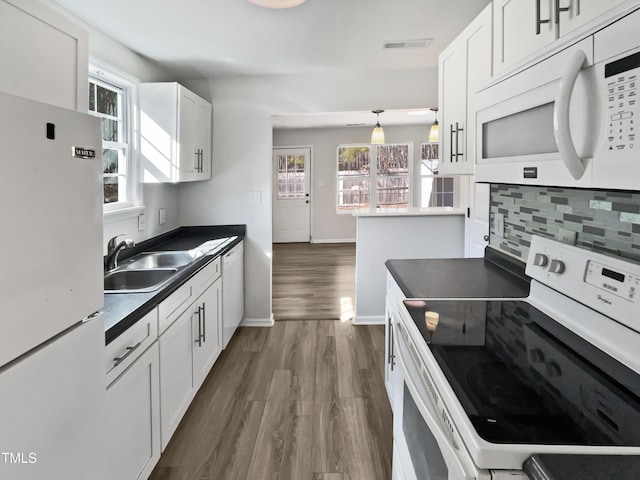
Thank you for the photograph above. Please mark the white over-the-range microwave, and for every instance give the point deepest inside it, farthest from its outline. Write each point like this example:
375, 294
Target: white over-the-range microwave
570, 117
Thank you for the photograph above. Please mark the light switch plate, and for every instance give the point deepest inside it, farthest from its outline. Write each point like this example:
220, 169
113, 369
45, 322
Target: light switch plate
142, 223
255, 197
162, 216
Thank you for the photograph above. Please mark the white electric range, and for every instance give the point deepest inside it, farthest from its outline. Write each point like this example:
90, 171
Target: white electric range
498, 380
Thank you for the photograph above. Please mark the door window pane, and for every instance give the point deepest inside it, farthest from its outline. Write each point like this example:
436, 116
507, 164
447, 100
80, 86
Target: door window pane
291, 177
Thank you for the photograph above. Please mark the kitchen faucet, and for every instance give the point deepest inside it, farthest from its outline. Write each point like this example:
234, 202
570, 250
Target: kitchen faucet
114, 249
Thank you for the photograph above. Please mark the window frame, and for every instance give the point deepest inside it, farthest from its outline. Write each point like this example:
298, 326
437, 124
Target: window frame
436, 192
373, 175
102, 73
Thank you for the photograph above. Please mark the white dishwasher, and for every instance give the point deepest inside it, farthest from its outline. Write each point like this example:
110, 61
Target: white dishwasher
232, 291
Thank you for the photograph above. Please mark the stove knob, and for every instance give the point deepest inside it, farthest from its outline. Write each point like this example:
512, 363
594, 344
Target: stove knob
540, 260
537, 355
553, 369
556, 266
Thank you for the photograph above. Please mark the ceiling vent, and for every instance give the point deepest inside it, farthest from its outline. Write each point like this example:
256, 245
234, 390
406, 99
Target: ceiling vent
416, 43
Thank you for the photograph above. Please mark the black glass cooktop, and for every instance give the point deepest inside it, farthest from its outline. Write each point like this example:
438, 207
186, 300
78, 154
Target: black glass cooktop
523, 378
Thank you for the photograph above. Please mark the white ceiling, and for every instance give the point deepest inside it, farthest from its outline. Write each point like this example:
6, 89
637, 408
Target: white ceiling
196, 39
213, 38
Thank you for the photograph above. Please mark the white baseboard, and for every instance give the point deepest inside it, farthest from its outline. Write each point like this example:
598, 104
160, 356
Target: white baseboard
369, 320
257, 322
334, 240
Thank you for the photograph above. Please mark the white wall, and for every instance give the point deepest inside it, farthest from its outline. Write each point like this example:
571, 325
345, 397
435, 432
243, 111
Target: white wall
242, 145
327, 225
116, 55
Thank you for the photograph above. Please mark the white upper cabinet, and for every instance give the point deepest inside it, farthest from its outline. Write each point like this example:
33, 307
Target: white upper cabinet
463, 66
581, 11
175, 127
44, 56
521, 27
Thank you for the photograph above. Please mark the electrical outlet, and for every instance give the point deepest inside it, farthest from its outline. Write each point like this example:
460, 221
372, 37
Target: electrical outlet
567, 236
142, 223
499, 224
162, 216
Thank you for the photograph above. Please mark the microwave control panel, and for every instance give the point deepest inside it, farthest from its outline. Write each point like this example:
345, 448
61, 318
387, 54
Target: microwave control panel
622, 78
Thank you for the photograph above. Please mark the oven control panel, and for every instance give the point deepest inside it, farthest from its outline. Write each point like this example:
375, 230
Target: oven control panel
611, 279
622, 83
606, 284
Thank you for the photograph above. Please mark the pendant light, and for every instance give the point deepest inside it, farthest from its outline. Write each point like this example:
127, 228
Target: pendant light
377, 136
434, 132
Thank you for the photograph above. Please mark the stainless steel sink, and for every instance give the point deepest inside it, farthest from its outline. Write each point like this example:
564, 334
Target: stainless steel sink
126, 280
155, 260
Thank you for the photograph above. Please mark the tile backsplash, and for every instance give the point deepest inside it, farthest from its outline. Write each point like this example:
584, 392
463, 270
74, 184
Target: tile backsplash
608, 221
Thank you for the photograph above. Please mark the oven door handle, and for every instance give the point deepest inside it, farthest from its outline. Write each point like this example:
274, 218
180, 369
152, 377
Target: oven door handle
561, 123
454, 456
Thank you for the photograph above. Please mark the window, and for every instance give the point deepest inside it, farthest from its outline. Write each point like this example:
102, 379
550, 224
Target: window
437, 191
353, 177
110, 99
392, 182
384, 183
291, 173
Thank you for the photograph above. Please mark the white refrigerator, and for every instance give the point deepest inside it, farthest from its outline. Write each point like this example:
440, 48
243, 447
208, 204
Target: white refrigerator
52, 387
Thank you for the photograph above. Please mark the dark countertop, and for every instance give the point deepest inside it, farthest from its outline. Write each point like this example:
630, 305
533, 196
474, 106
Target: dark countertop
122, 310
494, 276
583, 467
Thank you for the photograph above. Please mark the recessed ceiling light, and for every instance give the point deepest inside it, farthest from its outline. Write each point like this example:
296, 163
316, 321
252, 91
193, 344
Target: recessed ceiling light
277, 3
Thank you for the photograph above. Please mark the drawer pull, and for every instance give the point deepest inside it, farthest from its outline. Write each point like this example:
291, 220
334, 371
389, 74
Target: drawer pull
118, 360
204, 322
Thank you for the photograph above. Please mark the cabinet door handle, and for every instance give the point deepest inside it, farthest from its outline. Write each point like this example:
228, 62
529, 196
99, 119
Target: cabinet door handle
458, 130
118, 360
392, 353
539, 20
451, 142
199, 339
204, 321
560, 9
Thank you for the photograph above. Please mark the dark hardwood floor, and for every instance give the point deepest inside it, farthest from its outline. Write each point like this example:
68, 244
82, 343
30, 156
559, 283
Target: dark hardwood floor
313, 281
303, 400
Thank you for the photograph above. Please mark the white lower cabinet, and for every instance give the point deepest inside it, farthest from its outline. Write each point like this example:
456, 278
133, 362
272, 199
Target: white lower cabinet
133, 399
189, 346
176, 374
205, 327
394, 299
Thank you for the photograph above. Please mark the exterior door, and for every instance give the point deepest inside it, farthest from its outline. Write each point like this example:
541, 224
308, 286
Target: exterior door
291, 195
